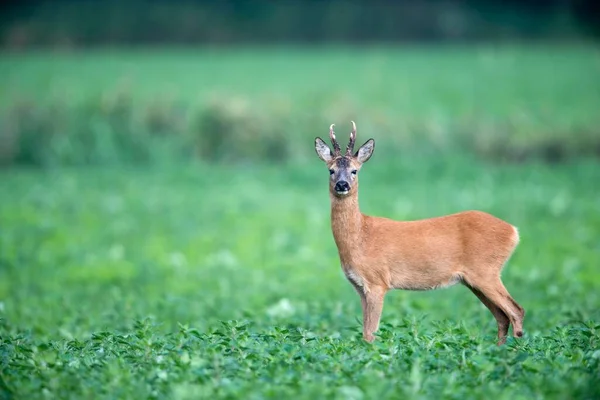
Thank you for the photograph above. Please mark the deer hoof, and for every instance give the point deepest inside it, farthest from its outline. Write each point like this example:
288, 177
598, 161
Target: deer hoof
369, 337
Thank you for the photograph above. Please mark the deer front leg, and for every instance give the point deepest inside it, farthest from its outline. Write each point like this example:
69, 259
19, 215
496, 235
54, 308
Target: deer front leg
363, 300
371, 301
372, 307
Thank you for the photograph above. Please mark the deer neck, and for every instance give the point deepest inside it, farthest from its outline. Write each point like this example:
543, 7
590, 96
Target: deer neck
346, 223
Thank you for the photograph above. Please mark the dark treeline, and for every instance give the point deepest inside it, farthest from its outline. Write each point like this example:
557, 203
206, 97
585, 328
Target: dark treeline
158, 22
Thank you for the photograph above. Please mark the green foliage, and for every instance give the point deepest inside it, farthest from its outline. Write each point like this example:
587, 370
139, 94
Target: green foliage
234, 360
248, 105
105, 130
206, 281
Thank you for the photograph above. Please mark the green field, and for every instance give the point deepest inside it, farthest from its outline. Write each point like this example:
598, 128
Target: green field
500, 102
558, 84
201, 280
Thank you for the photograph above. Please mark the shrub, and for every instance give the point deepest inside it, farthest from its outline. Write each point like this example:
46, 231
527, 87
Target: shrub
510, 142
114, 129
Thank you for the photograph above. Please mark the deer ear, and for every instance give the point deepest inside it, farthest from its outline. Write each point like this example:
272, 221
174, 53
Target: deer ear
365, 151
323, 151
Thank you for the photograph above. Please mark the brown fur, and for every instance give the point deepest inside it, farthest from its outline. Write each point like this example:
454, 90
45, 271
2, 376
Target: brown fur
379, 254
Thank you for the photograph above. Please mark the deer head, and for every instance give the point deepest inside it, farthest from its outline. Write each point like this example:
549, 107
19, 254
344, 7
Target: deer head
343, 169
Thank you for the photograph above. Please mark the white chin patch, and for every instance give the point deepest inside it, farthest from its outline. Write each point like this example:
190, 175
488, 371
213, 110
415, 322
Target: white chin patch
342, 193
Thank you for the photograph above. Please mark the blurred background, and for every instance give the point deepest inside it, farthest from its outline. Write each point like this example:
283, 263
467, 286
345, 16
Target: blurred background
80, 24
135, 81
157, 163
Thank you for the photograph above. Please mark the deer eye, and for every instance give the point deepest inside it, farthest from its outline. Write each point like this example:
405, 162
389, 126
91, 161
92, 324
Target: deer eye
353, 172
331, 172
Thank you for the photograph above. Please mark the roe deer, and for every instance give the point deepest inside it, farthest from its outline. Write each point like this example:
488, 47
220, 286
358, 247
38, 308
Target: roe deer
380, 254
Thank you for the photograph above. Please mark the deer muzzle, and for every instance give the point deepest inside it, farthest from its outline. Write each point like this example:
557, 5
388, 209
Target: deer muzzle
342, 187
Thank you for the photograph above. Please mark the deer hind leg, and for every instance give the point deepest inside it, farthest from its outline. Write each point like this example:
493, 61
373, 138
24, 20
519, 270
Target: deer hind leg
518, 311
496, 293
501, 317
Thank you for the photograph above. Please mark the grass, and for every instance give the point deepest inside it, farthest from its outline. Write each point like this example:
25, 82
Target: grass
514, 102
209, 281
394, 80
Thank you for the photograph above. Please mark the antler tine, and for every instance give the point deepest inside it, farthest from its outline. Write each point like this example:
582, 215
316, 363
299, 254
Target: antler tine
350, 147
336, 146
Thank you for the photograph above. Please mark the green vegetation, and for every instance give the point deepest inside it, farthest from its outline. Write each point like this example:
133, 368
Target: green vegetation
513, 103
201, 279
99, 268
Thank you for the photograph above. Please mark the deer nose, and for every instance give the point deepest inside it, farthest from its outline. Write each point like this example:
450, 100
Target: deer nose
342, 186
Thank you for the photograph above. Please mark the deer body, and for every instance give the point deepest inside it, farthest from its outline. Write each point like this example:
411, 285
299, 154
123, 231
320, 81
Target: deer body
379, 254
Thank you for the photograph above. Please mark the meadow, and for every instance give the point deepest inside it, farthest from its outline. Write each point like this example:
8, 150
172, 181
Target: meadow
197, 278
500, 102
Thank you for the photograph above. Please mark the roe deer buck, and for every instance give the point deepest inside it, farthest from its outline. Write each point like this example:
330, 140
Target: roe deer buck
380, 254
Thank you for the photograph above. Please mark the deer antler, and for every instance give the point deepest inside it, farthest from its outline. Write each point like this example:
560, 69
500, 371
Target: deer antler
350, 148
336, 146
